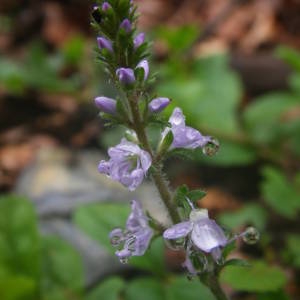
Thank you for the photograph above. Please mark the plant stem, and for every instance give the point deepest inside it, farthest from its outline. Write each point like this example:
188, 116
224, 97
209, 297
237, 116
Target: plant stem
157, 174
212, 282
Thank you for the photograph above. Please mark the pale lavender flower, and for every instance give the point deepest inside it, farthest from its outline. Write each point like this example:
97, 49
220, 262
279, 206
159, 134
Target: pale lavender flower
125, 75
128, 164
104, 43
204, 233
144, 65
106, 104
126, 25
136, 238
184, 136
139, 40
105, 6
158, 104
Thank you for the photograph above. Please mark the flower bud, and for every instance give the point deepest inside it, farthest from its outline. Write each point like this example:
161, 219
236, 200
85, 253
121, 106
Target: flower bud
139, 40
107, 105
104, 43
105, 6
96, 14
158, 104
144, 65
126, 25
125, 75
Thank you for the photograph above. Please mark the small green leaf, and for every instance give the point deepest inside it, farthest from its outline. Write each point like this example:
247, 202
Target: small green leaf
260, 277
196, 195
109, 289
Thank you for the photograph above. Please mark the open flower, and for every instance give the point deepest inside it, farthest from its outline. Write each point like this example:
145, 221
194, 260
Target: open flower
203, 233
184, 136
128, 164
136, 238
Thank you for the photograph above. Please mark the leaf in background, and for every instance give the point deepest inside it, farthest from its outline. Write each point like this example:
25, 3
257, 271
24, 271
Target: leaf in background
146, 289
229, 154
73, 50
177, 39
180, 288
97, 220
62, 270
17, 288
279, 193
236, 262
290, 56
293, 249
280, 295
249, 214
109, 289
263, 117
19, 239
209, 95
260, 277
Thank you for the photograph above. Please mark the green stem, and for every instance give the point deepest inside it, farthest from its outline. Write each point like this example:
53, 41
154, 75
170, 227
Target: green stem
157, 174
212, 282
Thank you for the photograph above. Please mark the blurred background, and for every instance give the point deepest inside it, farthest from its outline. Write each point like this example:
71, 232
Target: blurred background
234, 68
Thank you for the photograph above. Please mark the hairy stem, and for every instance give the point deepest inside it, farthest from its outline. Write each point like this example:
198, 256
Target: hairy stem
212, 282
157, 174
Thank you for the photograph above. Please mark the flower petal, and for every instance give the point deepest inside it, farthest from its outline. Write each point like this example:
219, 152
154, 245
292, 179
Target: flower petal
207, 235
179, 230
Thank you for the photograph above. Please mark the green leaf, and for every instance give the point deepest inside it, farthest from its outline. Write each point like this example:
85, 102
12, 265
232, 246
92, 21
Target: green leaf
293, 246
260, 277
109, 289
249, 214
98, 220
236, 262
290, 56
181, 288
19, 240
263, 117
146, 289
230, 154
280, 295
205, 106
279, 193
196, 195
17, 288
62, 269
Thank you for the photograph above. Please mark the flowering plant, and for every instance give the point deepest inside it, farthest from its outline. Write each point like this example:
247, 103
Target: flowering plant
124, 54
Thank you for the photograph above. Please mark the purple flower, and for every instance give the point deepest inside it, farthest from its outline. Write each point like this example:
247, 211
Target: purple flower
128, 164
184, 136
144, 65
158, 104
104, 43
126, 25
106, 104
205, 234
125, 75
139, 40
105, 6
136, 238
